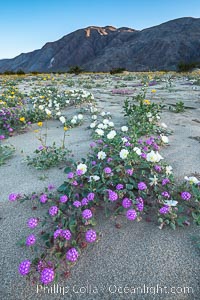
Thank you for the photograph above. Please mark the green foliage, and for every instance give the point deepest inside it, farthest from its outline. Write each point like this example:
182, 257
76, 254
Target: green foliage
178, 108
75, 70
117, 71
6, 152
185, 67
47, 157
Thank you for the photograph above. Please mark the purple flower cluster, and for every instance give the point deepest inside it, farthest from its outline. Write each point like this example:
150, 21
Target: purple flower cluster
119, 186
32, 223
77, 203
140, 204
91, 196
129, 172
43, 198
142, 186
57, 233
70, 175
165, 181
84, 201
90, 236
66, 234
165, 194
112, 196
79, 172
53, 210
158, 168
186, 196
63, 199
30, 241
13, 197
107, 170
47, 276
131, 214
126, 202
24, 267
87, 214
72, 255
164, 210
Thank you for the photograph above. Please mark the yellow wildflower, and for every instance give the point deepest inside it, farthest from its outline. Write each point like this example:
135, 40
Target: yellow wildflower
147, 102
22, 119
65, 128
40, 124
153, 91
36, 131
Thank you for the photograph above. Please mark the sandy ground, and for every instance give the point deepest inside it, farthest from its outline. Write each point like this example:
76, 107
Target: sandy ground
161, 264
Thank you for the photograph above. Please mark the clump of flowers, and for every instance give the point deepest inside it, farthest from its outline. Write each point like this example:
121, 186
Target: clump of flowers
123, 172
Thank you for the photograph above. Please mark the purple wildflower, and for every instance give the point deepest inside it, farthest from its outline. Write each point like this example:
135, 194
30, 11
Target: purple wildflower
93, 144
140, 203
140, 141
107, 170
164, 210
90, 236
87, 214
24, 267
185, 196
32, 223
2, 137
109, 159
77, 203
90, 196
70, 175
40, 266
158, 168
165, 181
79, 172
156, 147
119, 186
13, 197
129, 172
51, 187
31, 239
165, 194
72, 255
112, 195
74, 183
57, 233
149, 141
143, 155
94, 163
131, 214
47, 276
63, 199
43, 198
66, 234
53, 210
84, 201
126, 202
142, 186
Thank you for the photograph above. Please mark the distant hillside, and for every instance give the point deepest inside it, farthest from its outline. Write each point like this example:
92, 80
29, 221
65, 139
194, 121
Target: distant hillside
96, 48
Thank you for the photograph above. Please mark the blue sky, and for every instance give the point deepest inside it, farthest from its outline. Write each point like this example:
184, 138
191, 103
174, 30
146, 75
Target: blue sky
26, 25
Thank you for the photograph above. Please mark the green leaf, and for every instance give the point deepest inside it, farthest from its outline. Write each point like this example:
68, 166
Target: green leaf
129, 186
67, 170
62, 188
173, 226
72, 228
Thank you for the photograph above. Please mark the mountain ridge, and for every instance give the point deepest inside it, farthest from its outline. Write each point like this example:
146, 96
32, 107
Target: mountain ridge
97, 48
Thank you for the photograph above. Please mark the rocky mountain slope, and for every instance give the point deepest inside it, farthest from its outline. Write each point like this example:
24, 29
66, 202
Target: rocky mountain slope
96, 48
